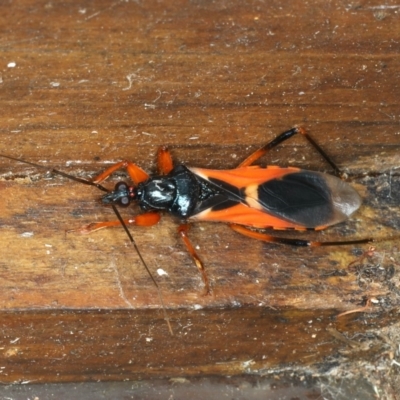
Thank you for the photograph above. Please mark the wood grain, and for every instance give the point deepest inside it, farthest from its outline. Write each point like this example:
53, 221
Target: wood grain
98, 82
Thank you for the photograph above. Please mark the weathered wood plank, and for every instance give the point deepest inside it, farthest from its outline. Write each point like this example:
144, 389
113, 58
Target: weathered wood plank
101, 82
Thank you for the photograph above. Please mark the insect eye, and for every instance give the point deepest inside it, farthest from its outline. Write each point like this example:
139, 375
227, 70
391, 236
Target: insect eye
122, 190
121, 187
124, 201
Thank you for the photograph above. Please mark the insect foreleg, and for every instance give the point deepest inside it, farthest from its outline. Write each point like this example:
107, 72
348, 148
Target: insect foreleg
148, 219
136, 173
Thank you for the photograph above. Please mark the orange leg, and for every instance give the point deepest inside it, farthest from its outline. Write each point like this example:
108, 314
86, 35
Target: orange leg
164, 161
281, 138
148, 219
183, 231
292, 241
136, 173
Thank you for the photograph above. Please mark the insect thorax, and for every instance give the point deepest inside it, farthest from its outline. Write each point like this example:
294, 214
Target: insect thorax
178, 192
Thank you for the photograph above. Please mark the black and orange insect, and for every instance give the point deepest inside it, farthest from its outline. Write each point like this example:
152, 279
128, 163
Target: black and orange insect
248, 198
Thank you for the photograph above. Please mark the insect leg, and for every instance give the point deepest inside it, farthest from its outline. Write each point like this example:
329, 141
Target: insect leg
292, 241
135, 172
148, 219
183, 231
281, 138
164, 161
137, 175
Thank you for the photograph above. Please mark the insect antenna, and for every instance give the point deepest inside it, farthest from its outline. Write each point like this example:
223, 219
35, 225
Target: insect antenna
131, 239
57, 172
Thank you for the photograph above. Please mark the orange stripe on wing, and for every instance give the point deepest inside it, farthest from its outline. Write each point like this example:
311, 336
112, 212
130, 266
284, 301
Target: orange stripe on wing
244, 215
246, 176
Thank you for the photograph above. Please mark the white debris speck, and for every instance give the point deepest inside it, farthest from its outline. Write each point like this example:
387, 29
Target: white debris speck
27, 234
55, 84
197, 307
149, 339
12, 64
71, 162
247, 364
161, 272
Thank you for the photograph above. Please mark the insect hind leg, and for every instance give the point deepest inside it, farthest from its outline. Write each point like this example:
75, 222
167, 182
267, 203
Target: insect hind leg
280, 139
293, 241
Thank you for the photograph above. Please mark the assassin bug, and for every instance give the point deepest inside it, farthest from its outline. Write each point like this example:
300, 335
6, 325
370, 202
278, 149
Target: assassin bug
246, 198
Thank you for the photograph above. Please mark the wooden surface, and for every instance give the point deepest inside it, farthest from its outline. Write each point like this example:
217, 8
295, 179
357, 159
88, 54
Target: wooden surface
97, 82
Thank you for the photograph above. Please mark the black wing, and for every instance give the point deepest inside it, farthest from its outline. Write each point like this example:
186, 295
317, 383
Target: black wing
308, 198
